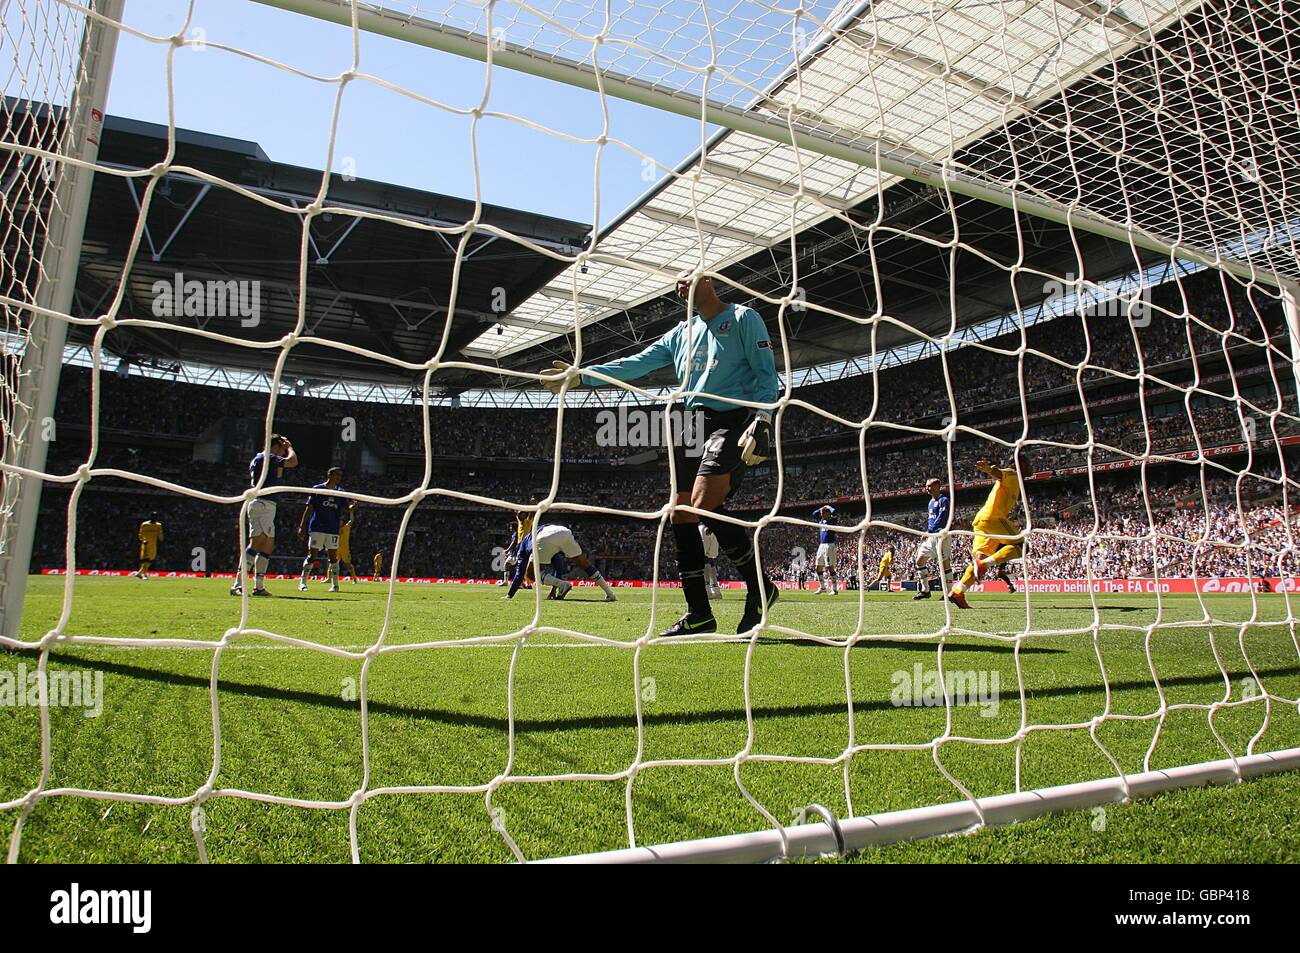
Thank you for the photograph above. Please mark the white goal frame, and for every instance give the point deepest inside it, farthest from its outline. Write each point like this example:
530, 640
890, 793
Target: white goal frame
42, 360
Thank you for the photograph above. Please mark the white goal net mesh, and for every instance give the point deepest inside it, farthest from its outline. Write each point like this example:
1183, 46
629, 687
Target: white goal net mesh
1078, 214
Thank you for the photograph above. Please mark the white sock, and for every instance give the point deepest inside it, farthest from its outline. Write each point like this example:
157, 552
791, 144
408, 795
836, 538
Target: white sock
306, 568
260, 565
550, 580
599, 580
334, 574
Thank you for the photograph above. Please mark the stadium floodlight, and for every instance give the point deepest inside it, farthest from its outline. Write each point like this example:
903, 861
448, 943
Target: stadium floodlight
1166, 126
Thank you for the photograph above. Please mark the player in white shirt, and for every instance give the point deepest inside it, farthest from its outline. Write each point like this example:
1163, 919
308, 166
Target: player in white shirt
553, 545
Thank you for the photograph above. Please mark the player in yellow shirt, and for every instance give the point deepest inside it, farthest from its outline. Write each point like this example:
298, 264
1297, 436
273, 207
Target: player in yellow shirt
886, 570
523, 526
379, 565
998, 538
345, 541
524, 521
150, 535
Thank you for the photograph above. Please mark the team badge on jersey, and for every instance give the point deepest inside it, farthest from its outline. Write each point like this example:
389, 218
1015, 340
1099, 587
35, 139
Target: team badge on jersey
724, 327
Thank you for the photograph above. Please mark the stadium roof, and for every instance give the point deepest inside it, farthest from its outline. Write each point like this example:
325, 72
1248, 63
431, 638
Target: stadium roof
994, 90
384, 284
750, 193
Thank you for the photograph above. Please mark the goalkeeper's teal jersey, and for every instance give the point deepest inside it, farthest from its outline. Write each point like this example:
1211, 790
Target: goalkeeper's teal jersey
730, 358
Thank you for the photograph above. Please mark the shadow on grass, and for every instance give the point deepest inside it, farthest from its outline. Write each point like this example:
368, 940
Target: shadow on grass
927, 644
462, 719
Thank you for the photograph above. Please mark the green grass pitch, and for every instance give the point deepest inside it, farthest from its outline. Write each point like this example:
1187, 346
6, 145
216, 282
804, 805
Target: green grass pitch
291, 725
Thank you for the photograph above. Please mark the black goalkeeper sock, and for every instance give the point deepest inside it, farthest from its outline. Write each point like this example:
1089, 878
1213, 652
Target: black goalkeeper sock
690, 566
735, 542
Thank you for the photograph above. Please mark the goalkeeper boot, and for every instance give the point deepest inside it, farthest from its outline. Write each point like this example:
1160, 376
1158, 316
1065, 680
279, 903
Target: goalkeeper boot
754, 612
958, 599
691, 625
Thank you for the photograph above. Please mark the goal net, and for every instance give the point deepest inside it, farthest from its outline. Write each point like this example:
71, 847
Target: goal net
1052, 235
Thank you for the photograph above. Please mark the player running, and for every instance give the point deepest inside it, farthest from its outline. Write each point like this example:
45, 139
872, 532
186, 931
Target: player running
321, 522
885, 572
348, 521
554, 545
824, 563
150, 535
997, 538
937, 546
721, 353
261, 515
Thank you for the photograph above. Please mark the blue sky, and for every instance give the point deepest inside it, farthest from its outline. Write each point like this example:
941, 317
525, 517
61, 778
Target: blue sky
390, 137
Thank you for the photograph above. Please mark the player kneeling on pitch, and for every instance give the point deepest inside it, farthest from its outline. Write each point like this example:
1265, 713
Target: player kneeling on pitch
997, 538
554, 544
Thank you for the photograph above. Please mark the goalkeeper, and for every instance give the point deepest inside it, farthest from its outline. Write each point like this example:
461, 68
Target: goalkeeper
723, 354
998, 539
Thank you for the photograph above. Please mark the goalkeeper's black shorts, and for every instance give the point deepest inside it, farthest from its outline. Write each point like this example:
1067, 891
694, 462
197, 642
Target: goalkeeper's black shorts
713, 448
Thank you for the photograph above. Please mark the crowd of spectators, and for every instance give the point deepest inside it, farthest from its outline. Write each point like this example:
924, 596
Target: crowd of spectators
154, 428
1223, 528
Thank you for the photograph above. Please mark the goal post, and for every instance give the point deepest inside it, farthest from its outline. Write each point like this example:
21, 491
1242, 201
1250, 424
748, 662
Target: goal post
64, 116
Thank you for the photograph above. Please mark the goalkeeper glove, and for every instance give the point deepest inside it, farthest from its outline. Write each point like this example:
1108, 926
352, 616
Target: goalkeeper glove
553, 380
756, 442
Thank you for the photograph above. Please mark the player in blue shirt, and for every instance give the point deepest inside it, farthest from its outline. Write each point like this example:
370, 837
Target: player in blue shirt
261, 514
321, 519
722, 353
937, 545
826, 551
